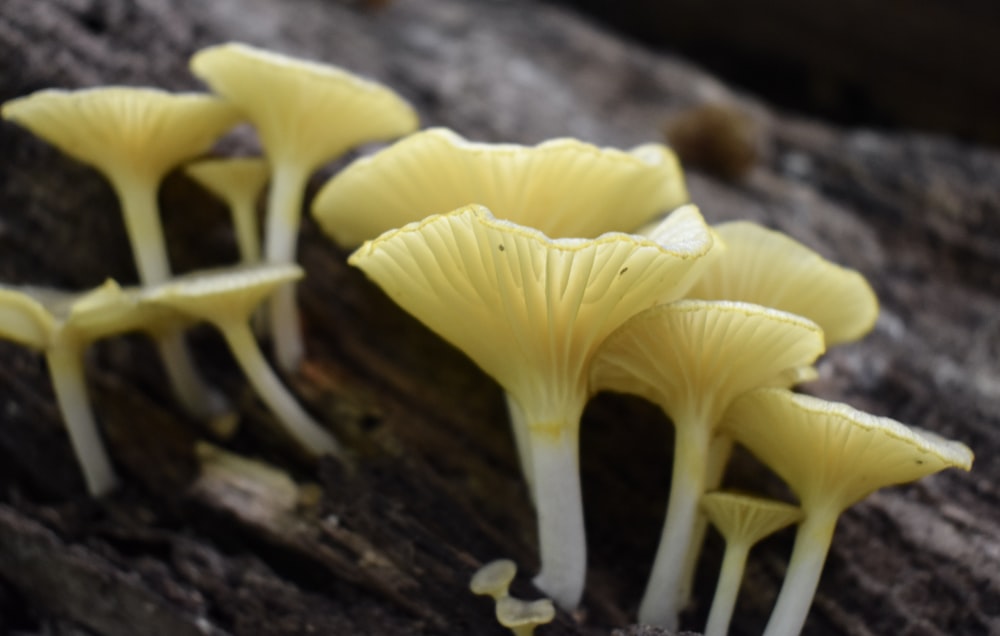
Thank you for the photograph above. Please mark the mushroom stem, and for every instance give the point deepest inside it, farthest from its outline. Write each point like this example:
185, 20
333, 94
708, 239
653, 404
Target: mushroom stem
284, 211
145, 233
522, 441
728, 586
66, 369
812, 542
558, 500
662, 599
245, 227
296, 421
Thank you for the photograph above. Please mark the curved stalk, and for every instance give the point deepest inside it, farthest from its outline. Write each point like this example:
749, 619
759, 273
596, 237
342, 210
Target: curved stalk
727, 588
558, 500
67, 372
284, 211
244, 214
661, 602
812, 543
290, 413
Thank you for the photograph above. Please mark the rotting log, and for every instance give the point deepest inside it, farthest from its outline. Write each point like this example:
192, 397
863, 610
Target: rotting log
385, 543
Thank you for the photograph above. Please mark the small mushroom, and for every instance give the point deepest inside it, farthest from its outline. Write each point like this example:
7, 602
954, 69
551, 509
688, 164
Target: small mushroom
134, 136
522, 617
562, 187
768, 268
494, 579
238, 182
226, 298
530, 311
305, 114
742, 520
62, 325
831, 456
692, 358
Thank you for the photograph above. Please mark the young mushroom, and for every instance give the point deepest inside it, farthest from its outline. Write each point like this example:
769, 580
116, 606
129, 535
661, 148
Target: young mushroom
831, 456
742, 520
305, 114
226, 298
62, 325
692, 358
238, 182
494, 579
562, 187
530, 311
134, 136
523, 617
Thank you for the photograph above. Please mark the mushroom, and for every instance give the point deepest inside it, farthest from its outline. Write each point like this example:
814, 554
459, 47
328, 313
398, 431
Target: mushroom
742, 520
305, 114
494, 579
134, 136
831, 456
692, 358
530, 311
62, 325
562, 187
522, 617
769, 268
226, 298
239, 183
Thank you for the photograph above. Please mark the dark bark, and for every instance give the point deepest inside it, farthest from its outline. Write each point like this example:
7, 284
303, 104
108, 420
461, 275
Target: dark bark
388, 540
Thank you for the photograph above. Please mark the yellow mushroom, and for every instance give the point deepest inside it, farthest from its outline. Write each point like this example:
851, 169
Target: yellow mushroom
62, 325
238, 182
134, 136
562, 187
692, 358
742, 520
523, 617
831, 456
305, 114
530, 311
494, 579
226, 298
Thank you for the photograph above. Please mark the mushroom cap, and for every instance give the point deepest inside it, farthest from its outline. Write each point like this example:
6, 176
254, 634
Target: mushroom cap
223, 294
693, 357
832, 455
529, 310
117, 129
231, 179
303, 111
745, 518
769, 268
562, 187
515, 613
26, 317
494, 578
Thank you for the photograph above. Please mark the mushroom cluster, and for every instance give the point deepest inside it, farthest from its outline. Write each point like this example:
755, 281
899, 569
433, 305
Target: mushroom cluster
561, 269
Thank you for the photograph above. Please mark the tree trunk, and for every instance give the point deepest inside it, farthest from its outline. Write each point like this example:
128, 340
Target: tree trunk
196, 542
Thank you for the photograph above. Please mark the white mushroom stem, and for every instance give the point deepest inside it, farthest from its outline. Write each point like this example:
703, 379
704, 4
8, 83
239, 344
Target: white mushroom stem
558, 500
727, 588
145, 233
66, 370
296, 421
284, 211
812, 543
661, 602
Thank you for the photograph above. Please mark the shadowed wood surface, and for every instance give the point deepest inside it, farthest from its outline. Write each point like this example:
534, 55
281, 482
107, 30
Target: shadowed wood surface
385, 542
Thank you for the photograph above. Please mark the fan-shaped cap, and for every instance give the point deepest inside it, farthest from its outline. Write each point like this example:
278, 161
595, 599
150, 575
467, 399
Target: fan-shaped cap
833, 455
563, 187
528, 309
129, 130
26, 314
494, 578
746, 518
225, 294
303, 111
695, 357
769, 268
231, 179
522, 617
